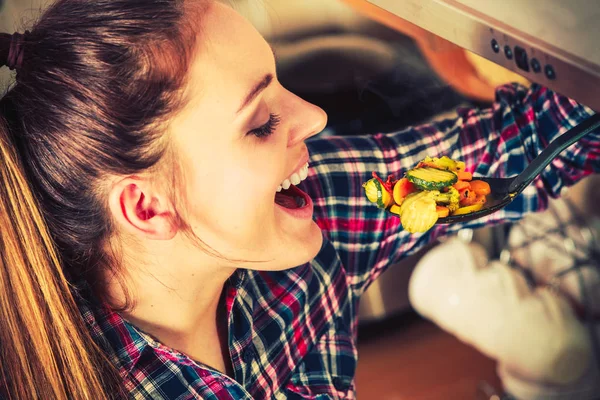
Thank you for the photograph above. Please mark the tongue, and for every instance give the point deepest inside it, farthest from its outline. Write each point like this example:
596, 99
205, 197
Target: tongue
286, 200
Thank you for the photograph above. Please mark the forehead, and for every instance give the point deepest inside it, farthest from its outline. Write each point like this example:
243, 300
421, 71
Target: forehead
231, 56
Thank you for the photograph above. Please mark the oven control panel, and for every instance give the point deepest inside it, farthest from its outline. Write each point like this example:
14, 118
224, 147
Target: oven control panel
551, 42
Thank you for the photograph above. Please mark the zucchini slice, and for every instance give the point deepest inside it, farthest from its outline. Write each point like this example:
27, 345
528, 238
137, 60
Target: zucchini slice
431, 178
445, 163
377, 194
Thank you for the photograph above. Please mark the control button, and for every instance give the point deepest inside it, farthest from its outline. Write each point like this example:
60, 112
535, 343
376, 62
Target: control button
549, 71
495, 46
535, 65
508, 52
521, 58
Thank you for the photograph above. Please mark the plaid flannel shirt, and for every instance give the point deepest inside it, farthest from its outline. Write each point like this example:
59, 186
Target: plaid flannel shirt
292, 334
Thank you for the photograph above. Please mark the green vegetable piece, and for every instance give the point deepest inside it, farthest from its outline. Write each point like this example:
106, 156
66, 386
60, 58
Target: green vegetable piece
377, 194
428, 178
450, 199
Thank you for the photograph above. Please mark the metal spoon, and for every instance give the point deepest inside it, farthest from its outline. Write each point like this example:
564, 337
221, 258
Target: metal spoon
504, 190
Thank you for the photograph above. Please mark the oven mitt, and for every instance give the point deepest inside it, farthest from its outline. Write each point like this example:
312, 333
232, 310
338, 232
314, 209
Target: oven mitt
533, 333
585, 388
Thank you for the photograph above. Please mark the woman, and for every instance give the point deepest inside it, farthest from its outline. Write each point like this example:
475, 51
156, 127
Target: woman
147, 248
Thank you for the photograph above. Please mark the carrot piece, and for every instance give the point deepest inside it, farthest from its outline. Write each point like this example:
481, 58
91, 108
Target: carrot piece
403, 188
480, 187
480, 199
442, 211
464, 175
462, 185
467, 198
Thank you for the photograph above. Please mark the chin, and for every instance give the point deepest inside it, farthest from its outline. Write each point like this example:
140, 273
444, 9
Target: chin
304, 249
315, 241
308, 246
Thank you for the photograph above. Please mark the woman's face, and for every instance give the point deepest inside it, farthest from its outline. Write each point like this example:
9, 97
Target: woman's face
239, 138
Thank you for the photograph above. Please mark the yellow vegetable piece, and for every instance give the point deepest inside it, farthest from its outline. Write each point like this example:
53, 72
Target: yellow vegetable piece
468, 209
371, 190
445, 163
418, 211
395, 209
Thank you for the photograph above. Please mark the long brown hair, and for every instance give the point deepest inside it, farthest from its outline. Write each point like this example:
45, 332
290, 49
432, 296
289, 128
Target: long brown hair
92, 98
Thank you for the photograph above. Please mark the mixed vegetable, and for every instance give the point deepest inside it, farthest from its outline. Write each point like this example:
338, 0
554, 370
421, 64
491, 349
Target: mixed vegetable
435, 188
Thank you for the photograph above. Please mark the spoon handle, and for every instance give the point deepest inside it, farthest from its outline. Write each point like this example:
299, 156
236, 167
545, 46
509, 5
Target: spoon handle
554, 149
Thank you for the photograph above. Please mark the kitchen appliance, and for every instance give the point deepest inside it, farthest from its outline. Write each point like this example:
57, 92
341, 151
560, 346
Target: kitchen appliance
555, 43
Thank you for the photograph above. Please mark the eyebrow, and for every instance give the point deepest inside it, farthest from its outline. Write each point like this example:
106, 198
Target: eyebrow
259, 87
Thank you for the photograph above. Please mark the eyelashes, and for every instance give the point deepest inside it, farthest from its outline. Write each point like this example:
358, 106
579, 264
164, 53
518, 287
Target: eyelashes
268, 128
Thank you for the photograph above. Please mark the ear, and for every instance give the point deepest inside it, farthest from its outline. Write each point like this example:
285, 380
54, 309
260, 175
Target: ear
141, 210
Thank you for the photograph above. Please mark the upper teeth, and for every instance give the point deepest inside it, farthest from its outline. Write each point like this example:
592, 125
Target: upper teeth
295, 178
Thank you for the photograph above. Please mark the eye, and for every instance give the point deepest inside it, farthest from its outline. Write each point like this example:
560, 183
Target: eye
268, 128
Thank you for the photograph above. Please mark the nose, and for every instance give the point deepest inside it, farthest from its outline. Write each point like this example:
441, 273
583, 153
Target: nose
305, 119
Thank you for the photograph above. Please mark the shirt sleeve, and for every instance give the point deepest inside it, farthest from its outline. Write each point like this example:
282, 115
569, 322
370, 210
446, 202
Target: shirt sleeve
495, 142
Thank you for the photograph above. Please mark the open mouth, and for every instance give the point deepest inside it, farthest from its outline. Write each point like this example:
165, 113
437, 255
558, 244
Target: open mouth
288, 195
291, 198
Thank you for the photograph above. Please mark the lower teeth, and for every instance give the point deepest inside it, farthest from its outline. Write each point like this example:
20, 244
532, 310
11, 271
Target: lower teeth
300, 202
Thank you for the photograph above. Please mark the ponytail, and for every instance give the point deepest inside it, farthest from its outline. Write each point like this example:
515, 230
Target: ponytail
96, 83
46, 351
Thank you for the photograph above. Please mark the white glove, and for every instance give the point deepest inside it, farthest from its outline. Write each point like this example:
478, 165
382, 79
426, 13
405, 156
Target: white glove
533, 333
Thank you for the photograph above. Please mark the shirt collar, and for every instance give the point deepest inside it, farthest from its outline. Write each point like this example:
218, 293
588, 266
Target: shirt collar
122, 342
125, 343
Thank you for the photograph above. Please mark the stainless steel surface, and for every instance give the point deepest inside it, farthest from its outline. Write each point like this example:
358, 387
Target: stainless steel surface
563, 36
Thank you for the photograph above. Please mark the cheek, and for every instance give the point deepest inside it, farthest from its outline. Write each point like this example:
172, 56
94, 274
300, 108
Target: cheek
254, 177
234, 193
256, 169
